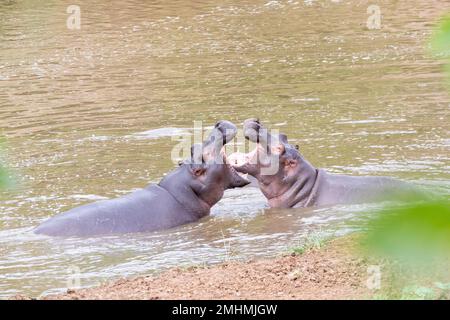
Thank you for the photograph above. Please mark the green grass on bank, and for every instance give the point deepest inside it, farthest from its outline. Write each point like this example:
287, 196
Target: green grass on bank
312, 241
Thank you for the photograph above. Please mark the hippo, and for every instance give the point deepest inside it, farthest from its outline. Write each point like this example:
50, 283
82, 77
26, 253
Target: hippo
183, 196
288, 180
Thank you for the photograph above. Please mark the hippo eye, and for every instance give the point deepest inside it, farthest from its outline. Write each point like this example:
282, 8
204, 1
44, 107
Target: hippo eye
180, 163
297, 147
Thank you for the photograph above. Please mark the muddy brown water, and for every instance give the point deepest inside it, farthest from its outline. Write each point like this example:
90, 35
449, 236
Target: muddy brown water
94, 113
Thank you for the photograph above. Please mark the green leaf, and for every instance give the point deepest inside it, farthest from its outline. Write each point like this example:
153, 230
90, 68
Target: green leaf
5, 178
416, 232
440, 41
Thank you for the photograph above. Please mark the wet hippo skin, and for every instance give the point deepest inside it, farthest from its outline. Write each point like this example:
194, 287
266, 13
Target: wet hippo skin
288, 180
184, 195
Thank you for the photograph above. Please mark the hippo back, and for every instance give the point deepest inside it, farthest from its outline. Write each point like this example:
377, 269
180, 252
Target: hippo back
149, 209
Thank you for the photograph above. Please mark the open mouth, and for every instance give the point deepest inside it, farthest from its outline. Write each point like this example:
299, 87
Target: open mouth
243, 176
239, 159
231, 162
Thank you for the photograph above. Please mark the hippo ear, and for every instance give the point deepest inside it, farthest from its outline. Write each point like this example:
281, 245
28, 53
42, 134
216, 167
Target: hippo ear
283, 138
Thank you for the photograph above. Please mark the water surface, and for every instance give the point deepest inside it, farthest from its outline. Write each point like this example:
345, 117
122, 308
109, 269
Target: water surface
94, 113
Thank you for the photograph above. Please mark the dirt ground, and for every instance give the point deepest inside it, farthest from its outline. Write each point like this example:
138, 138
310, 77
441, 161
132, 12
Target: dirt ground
333, 271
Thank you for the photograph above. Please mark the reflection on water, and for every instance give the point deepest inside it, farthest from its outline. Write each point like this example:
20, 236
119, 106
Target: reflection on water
91, 114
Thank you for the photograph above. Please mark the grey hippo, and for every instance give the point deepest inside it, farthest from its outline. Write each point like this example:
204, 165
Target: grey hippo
288, 180
184, 195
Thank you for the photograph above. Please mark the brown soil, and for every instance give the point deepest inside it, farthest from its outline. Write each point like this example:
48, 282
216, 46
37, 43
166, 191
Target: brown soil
334, 271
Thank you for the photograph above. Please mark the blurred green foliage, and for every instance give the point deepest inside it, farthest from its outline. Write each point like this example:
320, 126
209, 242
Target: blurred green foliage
440, 42
415, 233
413, 243
6, 180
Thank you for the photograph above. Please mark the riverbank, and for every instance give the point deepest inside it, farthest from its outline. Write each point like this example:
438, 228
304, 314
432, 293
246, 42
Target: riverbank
332, 270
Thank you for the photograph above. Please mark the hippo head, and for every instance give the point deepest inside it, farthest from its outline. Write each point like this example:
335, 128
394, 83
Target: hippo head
274, 162
208, 170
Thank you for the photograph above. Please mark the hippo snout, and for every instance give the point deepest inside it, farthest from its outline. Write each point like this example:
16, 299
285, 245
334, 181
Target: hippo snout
253, 130
227, 129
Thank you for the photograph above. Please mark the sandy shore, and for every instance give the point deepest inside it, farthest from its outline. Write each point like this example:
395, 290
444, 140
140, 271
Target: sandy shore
333, 271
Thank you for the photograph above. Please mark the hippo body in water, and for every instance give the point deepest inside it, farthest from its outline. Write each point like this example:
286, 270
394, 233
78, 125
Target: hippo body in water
332, 189
288, 180
185, 195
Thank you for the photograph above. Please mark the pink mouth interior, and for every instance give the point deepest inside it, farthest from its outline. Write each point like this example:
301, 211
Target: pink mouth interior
237, 159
